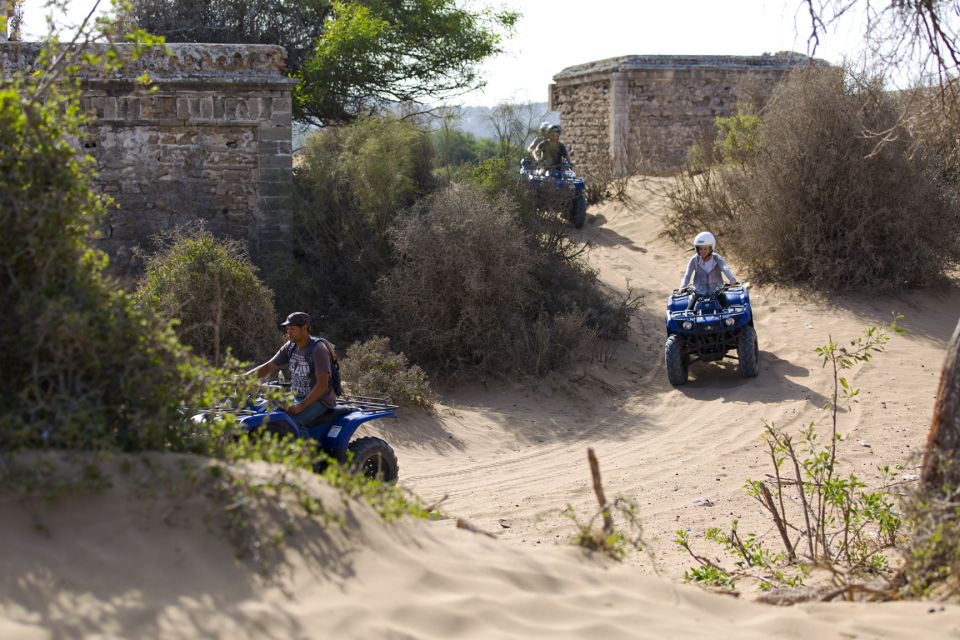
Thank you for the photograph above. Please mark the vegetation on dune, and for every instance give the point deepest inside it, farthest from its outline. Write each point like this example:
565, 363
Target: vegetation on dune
92, 370
823, 518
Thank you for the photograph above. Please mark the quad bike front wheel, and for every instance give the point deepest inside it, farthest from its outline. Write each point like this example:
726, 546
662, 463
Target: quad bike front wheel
578, 210
374, 459
748, 353
676, 361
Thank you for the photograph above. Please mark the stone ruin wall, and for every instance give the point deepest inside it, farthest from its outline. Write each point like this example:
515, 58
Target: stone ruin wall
643, 113
210, 142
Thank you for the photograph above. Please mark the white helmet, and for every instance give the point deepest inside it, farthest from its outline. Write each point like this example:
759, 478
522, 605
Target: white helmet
705, 239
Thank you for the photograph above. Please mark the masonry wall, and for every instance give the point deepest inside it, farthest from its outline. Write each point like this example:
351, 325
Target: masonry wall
210, 141
643, 113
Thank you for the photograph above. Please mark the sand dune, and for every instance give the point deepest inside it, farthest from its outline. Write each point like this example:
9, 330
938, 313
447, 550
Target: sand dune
134, 562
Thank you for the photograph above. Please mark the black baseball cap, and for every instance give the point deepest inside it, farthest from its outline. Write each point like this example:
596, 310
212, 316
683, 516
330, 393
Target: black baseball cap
297, 319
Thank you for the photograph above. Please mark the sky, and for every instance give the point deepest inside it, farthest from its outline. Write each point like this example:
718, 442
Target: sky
552, 35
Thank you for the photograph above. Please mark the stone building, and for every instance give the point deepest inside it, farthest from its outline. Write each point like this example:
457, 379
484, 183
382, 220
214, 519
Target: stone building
642, 113
210, 140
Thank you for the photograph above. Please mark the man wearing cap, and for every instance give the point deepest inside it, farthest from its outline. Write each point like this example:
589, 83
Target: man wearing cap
308, 358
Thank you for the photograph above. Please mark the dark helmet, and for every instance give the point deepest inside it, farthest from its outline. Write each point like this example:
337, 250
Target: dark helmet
555, 128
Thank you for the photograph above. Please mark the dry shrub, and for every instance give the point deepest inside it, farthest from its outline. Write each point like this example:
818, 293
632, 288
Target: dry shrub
462, 283
701, 199
370, 369
606, 182
830, 207
821, 202
463, 299
210, 288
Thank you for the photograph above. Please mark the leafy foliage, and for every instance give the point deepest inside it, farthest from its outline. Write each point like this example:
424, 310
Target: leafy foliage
86, 368
376, 51
739, 135
210, 287
350, 56
838, 522
453, 147
350, 187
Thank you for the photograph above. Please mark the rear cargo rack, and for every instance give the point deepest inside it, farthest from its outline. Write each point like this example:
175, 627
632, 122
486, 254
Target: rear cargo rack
366, 403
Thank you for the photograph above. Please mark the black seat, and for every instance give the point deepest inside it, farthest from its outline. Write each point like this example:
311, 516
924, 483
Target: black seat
330, 416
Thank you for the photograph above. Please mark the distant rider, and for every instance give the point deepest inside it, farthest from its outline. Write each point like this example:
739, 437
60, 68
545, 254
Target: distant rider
551, 152
309, 360
705, 268
542, 135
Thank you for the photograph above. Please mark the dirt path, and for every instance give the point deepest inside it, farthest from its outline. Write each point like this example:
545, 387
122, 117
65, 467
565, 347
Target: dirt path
509, 459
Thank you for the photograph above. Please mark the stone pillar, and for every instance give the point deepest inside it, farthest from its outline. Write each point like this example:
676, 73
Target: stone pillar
619, 123
275, 164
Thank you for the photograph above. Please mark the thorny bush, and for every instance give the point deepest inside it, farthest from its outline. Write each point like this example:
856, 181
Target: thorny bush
817, 200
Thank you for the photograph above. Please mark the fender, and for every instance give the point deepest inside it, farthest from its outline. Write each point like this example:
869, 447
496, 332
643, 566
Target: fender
271, 418
338, 433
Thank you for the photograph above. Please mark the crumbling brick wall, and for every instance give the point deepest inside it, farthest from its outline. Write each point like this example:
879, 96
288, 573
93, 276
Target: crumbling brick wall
209, 140
642, 113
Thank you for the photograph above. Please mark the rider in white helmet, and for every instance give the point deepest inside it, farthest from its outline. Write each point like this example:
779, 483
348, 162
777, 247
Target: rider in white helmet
542, 135
551, 153
705, 269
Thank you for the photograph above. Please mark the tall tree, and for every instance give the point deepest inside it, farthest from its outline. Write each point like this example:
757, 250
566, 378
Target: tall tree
941, 460
378, 51
294, 24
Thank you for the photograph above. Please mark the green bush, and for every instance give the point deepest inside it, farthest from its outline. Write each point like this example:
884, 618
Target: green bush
371, 369
342, 250
352, 183
84, 366
210, 288
453, 147
818, 201
739, 135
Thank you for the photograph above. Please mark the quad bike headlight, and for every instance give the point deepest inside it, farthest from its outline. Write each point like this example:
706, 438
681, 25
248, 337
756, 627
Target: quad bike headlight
729, 321
687, 325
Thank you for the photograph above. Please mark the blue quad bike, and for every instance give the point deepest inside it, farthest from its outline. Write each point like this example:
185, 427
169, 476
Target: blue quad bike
719, 325
556, 190
369, 456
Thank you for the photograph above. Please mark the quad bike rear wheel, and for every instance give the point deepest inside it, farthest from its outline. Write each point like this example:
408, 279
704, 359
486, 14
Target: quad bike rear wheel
375, 459
578, 210
676, 361
748, 353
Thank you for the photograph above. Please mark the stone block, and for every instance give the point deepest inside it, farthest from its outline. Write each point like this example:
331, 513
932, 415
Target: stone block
273, 161
206, 108
272, 133
275, 175
275, 148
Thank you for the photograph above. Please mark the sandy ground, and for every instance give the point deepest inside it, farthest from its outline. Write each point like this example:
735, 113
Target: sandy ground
508, 459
